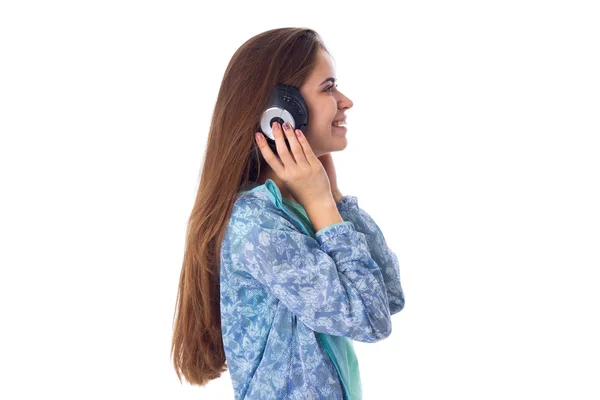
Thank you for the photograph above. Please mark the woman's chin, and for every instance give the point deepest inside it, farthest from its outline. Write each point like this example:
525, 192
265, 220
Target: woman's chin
339, 142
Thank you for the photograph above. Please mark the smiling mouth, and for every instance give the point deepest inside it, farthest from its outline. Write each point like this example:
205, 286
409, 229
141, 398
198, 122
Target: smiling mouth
339, 123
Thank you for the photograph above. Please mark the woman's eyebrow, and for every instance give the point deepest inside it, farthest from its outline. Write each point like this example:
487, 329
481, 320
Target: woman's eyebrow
327, 80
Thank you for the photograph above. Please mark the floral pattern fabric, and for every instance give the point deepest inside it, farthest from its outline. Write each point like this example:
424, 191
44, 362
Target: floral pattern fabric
282, 288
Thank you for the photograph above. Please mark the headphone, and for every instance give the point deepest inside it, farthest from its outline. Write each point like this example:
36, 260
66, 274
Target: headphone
286, 104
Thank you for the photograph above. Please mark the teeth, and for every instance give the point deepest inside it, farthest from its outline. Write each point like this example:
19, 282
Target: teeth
339, 123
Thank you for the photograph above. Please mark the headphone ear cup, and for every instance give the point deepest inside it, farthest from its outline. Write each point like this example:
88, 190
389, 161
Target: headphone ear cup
286, 103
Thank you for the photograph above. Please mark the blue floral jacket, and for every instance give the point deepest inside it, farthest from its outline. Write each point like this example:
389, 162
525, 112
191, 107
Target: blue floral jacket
289, 293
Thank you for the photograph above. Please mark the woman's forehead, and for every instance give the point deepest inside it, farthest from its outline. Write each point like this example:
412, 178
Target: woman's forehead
323, 69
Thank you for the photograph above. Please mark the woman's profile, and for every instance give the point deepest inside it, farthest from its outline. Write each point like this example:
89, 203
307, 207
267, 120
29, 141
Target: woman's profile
281, 272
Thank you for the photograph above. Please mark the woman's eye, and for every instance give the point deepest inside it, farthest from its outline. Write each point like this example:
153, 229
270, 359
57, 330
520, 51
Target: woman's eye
330, 87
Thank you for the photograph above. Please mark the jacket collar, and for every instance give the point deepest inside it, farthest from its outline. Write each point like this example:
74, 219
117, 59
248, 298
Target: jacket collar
270, 189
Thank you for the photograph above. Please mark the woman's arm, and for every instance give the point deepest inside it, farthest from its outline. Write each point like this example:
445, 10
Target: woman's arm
330, 282
385, 258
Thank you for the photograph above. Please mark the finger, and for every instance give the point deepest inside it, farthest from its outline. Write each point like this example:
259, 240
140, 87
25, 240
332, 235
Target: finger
269, 156
296, 147
282, 150
308, 153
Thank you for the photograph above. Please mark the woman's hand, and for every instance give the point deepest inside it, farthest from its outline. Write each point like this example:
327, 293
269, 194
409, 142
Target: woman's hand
327, 161
301, 172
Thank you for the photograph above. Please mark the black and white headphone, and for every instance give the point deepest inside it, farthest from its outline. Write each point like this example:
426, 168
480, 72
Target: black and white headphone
286, 104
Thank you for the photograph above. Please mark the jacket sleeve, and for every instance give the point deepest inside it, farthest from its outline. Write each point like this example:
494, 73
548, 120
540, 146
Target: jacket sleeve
330, 282
384, 257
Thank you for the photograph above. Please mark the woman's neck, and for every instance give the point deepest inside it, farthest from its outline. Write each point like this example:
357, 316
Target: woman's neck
268, 173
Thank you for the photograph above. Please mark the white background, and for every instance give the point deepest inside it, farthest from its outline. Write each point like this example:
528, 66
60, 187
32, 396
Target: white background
473, 143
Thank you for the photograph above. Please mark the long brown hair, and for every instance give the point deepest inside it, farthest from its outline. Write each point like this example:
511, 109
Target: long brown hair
231, 161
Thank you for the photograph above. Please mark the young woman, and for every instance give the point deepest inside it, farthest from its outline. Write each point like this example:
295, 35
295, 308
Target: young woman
281, 272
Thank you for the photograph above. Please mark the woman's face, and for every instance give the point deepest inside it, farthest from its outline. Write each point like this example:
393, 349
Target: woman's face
325, 105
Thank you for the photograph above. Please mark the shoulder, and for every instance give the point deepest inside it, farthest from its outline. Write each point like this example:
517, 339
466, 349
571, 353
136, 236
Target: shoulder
257, 209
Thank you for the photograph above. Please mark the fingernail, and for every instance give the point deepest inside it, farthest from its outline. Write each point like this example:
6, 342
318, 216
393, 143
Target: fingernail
286, 125
258, 136
298, 132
